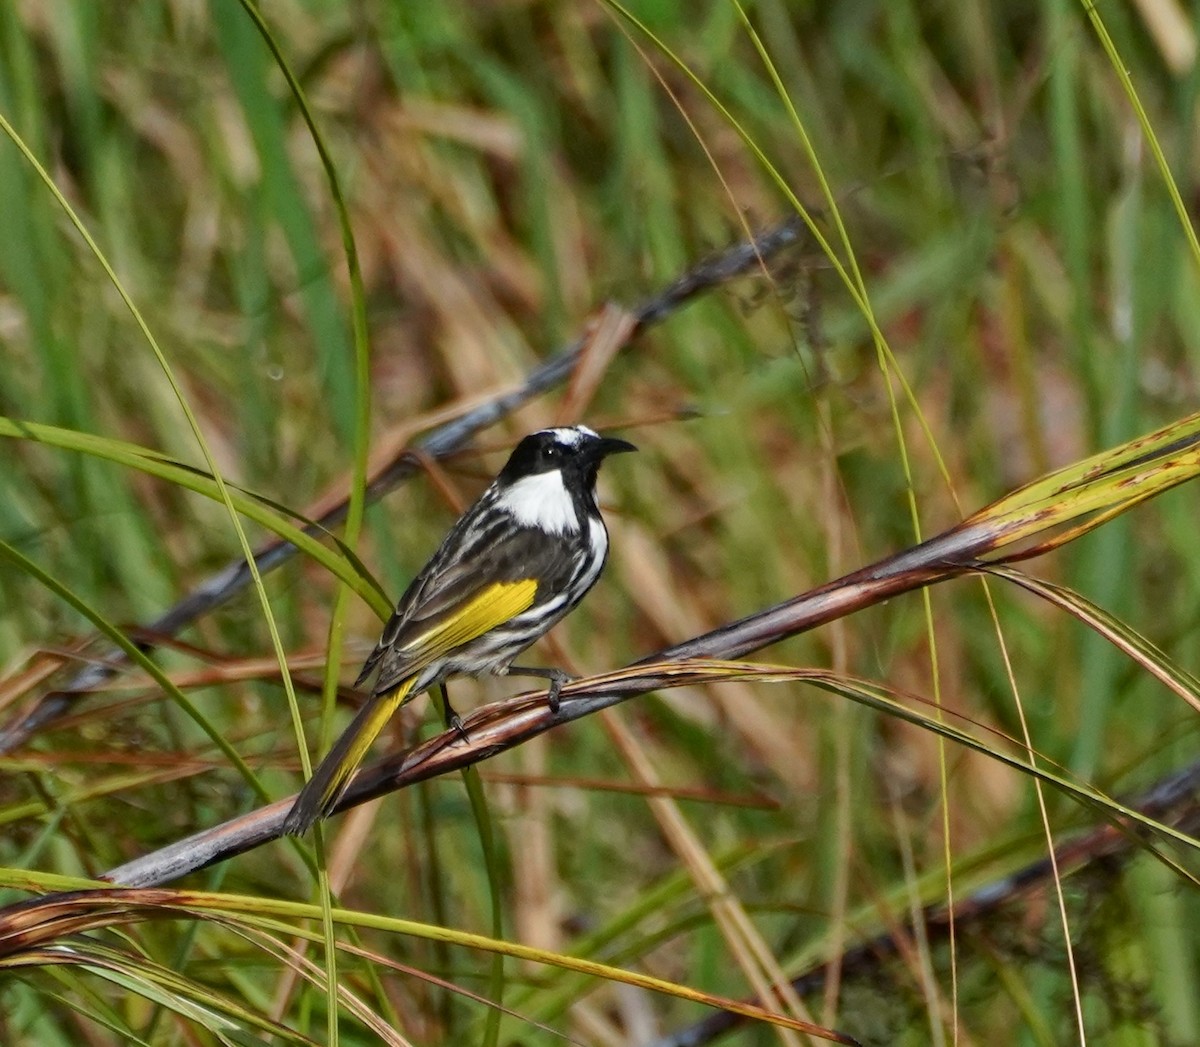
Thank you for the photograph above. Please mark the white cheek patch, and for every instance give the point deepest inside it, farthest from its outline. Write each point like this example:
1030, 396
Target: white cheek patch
541, 501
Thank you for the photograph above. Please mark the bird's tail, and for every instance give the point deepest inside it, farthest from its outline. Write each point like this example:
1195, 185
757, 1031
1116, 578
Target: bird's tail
330, 779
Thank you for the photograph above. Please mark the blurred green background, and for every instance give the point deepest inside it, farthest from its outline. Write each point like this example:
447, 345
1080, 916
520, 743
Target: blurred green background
509, 167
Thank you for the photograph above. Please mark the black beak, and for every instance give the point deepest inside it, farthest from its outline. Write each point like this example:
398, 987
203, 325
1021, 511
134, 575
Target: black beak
607, 445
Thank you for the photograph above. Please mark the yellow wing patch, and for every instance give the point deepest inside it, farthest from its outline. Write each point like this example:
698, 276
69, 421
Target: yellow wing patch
494, 606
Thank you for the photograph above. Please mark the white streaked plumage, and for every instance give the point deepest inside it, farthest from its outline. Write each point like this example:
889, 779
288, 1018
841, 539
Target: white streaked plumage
542, 501
599, 549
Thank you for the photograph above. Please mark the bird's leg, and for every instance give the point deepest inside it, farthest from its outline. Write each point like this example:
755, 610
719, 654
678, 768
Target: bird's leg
556, 677
453, 720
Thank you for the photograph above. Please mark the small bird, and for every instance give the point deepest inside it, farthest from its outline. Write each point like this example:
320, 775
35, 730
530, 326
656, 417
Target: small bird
516, 562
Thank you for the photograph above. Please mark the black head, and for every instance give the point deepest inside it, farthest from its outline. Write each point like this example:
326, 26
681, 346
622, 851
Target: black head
575, 450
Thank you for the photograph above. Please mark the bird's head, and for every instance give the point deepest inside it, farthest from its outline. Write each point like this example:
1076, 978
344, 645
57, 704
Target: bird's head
549, 468
576, 451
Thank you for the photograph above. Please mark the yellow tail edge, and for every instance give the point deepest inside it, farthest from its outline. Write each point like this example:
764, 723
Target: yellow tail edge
323, 790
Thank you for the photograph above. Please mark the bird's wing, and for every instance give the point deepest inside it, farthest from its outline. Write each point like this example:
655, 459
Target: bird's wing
458, 598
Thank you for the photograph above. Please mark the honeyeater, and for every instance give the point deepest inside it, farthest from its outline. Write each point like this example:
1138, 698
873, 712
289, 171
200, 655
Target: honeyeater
514, 564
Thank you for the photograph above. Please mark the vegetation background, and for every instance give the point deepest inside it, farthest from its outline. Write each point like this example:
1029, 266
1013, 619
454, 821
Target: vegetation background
508, 168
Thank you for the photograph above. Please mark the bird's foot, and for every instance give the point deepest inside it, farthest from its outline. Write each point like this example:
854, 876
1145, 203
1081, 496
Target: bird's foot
553, 695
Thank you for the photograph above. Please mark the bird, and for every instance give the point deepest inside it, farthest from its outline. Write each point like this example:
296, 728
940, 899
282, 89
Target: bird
516, 562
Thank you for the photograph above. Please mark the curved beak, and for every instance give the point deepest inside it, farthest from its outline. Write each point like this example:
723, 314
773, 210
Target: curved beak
607, 445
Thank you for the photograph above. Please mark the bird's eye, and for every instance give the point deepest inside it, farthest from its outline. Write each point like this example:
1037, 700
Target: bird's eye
552, 451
